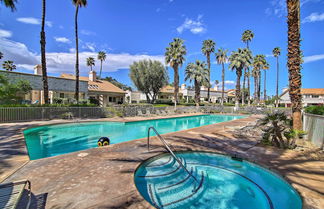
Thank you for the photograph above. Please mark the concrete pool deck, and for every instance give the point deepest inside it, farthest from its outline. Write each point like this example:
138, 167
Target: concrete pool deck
103, 177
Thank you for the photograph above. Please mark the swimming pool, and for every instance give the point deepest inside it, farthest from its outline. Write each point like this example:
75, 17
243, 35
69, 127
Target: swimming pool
222, 183
47, 141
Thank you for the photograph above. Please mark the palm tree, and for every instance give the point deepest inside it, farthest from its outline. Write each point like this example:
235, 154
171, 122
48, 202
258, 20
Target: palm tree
90, 62
238, 61
221, 58
265, 68
10, 3
294, 61
175, 56
247, 37
259, 63
102, 57
1, 55
9, 65
43, 54
207, 49
198, 73
77, 4
276, 53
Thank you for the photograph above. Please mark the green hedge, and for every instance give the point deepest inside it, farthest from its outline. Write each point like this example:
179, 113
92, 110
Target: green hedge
317, 110
49, 105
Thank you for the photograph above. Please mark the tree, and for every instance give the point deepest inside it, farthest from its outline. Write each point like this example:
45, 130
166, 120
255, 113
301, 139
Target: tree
294, 61
118, 84
238, 61
102, 57
90, 62
247, 37
221, 58
149, 77
10, 92
198, 73
276, 53
207, 49
9, 65
77, 4
1, 55
43, 54
259, 63
175, 57
10, 4
265, 68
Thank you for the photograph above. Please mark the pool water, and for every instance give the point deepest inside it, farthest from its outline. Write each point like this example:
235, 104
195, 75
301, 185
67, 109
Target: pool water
47, 141
222, 183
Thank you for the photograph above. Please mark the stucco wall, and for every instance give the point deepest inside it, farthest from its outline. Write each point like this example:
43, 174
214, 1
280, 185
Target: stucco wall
54, 83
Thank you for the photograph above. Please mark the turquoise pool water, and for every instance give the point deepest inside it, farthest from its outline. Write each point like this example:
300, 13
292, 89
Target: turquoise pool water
222, 183
47, 141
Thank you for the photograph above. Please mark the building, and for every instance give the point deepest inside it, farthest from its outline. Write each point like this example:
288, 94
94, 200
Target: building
309, 96
103, 91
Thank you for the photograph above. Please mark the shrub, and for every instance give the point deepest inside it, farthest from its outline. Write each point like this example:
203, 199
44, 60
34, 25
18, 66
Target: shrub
317, 110
164, 101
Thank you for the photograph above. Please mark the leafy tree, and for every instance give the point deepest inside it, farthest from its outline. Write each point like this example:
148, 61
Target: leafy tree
90, 62
207, 49
198, 73
149, 77
276, 53
175, 57
294, 61
102, 57
77, 4
10, 93
238, 61
118, 84
10, 4
43, 54
221, 58
9, 65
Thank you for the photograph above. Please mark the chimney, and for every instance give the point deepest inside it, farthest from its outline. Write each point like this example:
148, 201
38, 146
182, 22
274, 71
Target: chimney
92, 75
183, 86
216, 88
38, 70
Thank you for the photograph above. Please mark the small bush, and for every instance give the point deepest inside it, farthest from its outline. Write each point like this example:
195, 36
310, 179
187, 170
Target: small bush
164, 101
316, 110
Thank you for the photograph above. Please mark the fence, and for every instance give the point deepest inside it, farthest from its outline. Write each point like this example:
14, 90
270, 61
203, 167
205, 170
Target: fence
314, 126
14, 114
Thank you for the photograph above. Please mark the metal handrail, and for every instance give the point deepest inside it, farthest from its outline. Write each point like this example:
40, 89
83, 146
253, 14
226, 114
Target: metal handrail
167, 147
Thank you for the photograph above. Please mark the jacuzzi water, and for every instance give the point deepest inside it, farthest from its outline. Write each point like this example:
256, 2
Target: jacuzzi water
47, 141
222, 183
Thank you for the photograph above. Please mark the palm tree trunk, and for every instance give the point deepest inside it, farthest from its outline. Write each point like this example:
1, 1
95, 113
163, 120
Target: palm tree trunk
197, 93
277, 86
238, 88
176, 84
243, 94
294, 61
265, 86
259, 87
223, 83
208, 63
43, 55
248, 81
77, 56
100, 69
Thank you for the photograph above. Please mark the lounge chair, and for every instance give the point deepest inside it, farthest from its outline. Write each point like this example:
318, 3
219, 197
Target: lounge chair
11, 193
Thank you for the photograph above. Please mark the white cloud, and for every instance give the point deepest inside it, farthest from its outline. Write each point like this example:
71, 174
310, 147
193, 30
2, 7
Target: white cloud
89, 46
227, 84
62, 40
314, 17
313, 58
72, 50
64, 62
33, 21
87, 33
194, 26
5, 33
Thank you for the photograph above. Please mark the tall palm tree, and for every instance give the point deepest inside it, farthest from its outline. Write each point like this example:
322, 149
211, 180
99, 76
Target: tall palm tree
1, 55
102, 57
238, 61
221, 58
77, 4
43, 54
259, 63
276, 53
175, 57
265, 68
247, 37
9, 65
207, 49
294, 61
90, 62
198, 73
10, 4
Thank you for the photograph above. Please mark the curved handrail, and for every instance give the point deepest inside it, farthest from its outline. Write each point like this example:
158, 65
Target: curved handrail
167, 147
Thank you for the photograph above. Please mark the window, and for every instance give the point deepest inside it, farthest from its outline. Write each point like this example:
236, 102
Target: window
110, 99
61, 95
315, 96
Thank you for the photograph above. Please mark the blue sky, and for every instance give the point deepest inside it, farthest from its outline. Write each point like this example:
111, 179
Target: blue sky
130, 30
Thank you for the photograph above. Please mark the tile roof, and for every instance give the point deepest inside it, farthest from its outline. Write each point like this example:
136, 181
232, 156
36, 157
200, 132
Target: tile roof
98, 85
313, 91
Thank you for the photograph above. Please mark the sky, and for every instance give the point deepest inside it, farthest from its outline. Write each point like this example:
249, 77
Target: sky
131, 30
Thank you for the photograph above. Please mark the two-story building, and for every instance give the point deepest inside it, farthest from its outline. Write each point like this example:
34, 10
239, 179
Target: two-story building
309, 96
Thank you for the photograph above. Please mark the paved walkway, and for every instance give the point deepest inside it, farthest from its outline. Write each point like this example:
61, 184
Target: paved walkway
103, 177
